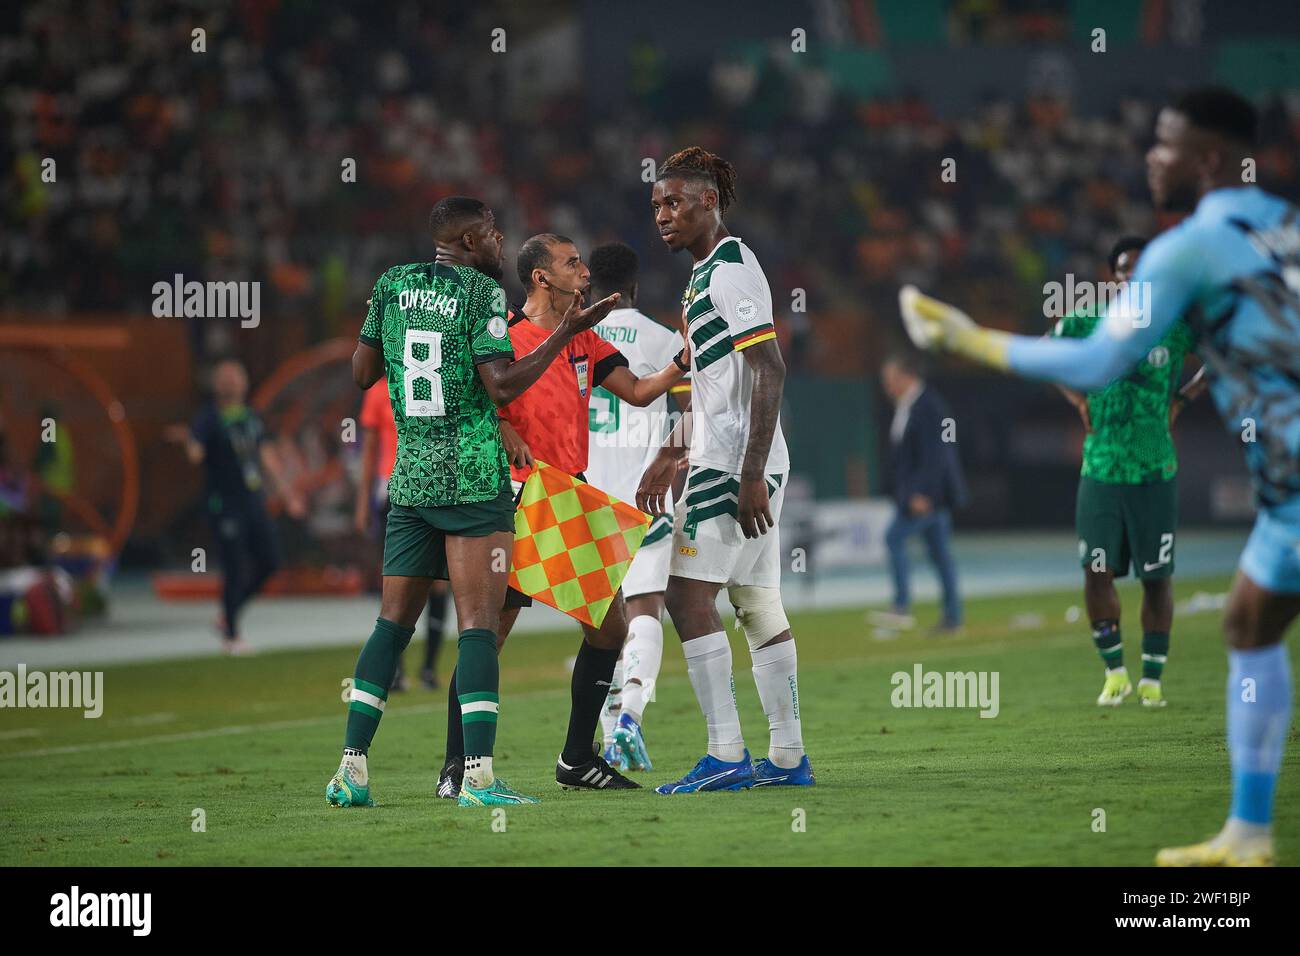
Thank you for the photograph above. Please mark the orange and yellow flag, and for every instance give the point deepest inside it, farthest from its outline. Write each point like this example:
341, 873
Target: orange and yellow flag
573, 544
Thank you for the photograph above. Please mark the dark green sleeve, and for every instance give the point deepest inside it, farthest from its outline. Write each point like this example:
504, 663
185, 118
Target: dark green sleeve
489, 332
372, 329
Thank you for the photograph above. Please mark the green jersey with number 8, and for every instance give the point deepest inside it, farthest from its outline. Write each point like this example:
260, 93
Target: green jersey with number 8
434, 322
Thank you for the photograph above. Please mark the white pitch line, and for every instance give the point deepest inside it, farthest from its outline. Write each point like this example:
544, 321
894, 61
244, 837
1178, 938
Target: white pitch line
977, 650
198, 734
144, 720
23, 732
234, 730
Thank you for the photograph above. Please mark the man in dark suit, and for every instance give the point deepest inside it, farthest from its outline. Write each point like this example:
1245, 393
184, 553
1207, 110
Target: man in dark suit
928, 484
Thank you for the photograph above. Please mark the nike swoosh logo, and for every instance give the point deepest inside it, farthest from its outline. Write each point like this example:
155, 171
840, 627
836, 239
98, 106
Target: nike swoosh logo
1152, 567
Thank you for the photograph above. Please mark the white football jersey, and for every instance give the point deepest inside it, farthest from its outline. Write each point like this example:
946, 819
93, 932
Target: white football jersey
622, 439
728, 307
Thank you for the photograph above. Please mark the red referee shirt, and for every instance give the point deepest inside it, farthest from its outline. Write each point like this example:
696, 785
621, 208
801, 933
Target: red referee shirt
377, 413
551, 415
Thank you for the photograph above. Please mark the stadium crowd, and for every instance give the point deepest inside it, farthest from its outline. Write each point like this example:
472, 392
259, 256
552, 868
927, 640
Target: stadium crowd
227, 164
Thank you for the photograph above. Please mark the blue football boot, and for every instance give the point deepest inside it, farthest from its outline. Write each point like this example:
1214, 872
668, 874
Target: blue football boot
714, 774
768, 774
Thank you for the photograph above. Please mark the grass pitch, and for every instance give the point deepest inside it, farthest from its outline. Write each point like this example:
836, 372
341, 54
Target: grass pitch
252, 742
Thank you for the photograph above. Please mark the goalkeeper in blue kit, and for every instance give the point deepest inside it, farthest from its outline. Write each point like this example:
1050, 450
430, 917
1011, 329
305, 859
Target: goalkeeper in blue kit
1231, 271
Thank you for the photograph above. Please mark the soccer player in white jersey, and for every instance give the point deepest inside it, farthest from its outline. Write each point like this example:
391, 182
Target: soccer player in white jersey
725, 531
622, 441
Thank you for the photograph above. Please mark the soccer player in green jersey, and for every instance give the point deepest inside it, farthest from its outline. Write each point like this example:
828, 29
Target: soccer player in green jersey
1127, 504
439, 331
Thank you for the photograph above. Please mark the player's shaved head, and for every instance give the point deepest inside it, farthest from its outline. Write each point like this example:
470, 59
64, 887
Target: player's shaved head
1201, 141
1222, 113
614, 268
455, 215
465, 231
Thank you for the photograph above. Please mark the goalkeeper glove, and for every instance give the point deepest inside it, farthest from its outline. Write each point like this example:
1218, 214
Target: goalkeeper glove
936, 325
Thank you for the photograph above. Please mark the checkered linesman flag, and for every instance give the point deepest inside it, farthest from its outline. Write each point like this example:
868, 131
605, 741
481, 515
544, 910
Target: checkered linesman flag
573, 544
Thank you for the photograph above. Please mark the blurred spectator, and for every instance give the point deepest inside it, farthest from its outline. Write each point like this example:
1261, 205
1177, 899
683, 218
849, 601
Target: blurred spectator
18, 531
236, 452
928, 484
55, 467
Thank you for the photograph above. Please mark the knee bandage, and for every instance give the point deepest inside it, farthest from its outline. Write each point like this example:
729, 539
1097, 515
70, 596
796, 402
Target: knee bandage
759, 613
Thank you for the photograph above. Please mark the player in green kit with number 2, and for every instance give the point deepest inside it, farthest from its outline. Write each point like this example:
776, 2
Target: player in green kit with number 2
439, 329
1127, 505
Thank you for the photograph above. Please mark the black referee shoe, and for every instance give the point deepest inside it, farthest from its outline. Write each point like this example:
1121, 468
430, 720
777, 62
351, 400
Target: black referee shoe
449, 781
593, 775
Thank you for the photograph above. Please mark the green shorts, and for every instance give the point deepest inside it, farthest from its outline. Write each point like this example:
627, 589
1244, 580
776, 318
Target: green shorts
415, 539
1123, 524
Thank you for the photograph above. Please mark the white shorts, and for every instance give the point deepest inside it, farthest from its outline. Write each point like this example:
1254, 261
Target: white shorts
649, 571
708, 544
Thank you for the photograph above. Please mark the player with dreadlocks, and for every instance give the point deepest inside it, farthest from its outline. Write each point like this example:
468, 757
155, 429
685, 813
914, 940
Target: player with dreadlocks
724, 533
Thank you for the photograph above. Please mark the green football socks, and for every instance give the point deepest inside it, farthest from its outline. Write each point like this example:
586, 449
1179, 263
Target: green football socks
1155, 651
477, 682
374, 674
1105, 634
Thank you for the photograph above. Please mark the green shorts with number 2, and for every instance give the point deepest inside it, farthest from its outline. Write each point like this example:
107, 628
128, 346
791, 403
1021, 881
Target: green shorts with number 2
1120, 525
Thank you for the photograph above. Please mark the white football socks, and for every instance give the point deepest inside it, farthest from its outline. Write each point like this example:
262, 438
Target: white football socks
1237, 832
613, 701
356, 764
708, 664
776, 671
478, 772
643, 654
